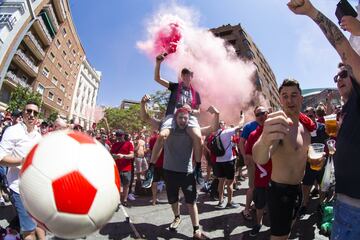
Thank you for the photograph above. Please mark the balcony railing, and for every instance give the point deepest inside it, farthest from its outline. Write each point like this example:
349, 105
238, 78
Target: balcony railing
15, 79
43, 26
27, 60
36, 43
51, 14
60, 10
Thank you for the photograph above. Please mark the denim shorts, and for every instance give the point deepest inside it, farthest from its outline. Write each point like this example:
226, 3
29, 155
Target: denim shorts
346, 222
27, 224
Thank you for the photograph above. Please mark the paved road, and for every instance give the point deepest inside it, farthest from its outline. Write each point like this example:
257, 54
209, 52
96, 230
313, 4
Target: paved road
151, 222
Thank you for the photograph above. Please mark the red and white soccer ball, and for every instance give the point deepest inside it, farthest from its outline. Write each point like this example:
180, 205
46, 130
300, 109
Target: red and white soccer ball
69, 183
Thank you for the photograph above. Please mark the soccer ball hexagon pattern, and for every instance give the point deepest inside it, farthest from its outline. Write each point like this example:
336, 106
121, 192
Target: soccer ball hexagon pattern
69, 183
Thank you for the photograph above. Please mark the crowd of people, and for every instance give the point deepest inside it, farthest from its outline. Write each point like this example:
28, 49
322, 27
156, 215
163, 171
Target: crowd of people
274, 147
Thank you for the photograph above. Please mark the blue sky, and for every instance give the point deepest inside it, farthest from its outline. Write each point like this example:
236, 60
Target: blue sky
293, 45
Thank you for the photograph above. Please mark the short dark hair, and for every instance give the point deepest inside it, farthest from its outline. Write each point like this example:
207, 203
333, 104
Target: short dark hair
290, 83
185, 71
28, 102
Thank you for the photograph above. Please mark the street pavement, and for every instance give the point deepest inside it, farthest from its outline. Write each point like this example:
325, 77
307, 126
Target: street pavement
144, 221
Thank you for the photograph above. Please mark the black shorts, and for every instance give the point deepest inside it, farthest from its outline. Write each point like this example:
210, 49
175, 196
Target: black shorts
312, 175
225, 170
176, 180
259, 197
284, 201
125, 178
158, 174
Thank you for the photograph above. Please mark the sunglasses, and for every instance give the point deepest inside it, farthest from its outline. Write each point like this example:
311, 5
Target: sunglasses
259, 114
343, 74
29, 111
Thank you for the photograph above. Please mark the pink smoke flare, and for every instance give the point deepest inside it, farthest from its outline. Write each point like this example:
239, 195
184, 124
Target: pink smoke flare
167, 39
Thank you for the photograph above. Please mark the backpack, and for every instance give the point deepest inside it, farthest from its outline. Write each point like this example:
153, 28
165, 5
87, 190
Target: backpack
216, 146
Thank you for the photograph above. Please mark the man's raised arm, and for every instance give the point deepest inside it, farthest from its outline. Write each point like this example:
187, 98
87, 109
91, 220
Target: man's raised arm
331, 32
157, 76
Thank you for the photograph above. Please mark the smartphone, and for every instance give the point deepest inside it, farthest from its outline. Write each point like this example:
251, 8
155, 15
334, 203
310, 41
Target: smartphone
344, 8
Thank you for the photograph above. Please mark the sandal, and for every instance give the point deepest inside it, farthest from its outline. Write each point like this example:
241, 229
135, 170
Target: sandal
247, 215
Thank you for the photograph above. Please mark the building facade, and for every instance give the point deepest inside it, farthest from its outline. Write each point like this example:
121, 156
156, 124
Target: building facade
84, 100
314, 96
246, 49
40, 49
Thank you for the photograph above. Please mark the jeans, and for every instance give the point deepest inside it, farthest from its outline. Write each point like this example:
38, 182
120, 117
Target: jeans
27, 224
346, 223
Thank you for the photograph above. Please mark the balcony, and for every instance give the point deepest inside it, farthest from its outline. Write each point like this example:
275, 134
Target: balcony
51, 14
34, 45
42, 31
60, 10
25, 63
14, 80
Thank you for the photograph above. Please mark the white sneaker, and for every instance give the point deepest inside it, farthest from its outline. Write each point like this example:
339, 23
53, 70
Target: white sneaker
131, 197
2, 201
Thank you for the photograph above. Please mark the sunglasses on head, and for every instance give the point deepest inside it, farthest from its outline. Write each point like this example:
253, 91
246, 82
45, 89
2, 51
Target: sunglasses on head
343, 74
29, 111
259, 114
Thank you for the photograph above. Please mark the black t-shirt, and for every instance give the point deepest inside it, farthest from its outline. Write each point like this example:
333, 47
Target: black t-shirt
347, 156
185, 97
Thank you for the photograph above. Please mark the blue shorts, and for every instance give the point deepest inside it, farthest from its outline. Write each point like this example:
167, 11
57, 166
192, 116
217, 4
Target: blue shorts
27, 224
346, 222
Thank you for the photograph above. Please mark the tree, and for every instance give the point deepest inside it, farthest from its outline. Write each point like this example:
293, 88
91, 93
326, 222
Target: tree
20, 96
53, 116
125, 119
160, 98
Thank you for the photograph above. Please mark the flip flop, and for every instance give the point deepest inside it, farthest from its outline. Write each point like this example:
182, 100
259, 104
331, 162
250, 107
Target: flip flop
247, 215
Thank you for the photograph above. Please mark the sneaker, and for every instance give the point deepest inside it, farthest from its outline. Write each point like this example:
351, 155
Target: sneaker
2, 201
232, 205
131, 197
125, 204
255, 230
221, 205
174, 225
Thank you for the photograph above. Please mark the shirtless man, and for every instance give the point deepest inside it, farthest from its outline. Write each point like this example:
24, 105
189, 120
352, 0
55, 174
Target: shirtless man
140, 161
285, 140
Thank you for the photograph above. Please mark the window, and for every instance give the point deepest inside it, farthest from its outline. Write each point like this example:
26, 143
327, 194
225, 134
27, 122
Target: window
70, 62
68, 43
59, 101
59, 67
246, 42
45, 72
54, 80
67, 108
62, 87
64, 32
66, 75
58, 43
64, 54
52, 56
250, 54
74, 52
50, 95
40, 89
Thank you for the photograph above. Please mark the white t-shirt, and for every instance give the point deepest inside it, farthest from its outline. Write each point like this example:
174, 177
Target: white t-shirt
17, 142
226, 137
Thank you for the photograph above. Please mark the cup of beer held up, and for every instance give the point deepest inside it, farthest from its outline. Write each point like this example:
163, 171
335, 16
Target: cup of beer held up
331, 125
316, 156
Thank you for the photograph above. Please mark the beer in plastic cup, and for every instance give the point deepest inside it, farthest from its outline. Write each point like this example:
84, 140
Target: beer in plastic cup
331, 125
315, 155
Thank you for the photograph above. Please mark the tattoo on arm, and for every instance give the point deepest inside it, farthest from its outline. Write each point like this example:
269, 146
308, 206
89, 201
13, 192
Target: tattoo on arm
331, 31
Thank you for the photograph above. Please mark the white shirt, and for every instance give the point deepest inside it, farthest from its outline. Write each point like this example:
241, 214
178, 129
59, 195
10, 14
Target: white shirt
226, 137
17, 142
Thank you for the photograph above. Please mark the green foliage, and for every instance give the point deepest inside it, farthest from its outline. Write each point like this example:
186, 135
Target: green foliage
160, 98
53, 116
125, 119
20, 96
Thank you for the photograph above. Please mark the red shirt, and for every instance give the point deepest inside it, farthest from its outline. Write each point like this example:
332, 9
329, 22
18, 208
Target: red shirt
124, 165
262, 172
160, 160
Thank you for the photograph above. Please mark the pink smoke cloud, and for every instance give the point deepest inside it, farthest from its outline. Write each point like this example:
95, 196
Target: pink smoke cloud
222, 79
